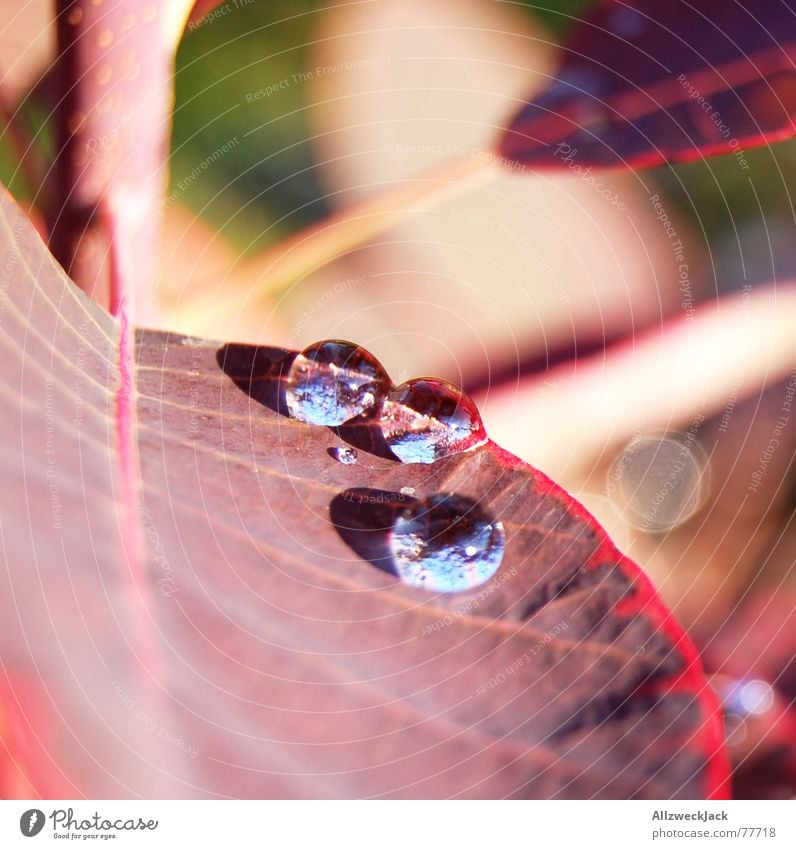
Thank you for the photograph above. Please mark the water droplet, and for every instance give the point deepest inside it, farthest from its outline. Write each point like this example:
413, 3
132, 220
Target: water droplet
425, 419
407, 490
346, 456
658, 483
331, 382
446, 543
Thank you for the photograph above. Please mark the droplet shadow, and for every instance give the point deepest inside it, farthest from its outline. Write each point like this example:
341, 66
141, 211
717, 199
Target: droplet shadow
260, 372
364, 517
364, 434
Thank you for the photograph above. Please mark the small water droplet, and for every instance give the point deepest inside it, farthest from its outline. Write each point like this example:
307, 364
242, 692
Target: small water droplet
425, 419
407, 490
331, 382
446, 543
346, 456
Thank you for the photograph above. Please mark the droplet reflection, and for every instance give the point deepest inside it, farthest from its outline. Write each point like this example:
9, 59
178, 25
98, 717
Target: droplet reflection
426, 419
446, 543
332, 382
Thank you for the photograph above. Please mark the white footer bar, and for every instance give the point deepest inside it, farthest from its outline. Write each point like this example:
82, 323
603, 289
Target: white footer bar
398, 825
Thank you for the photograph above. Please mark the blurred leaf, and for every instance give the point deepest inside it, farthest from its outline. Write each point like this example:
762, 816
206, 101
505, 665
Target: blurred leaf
718, 353
112, 115
204, 628
644, 82
27, 44
25, 770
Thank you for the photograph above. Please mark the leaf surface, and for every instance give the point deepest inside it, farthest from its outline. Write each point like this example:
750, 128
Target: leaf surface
236, 630
643, 82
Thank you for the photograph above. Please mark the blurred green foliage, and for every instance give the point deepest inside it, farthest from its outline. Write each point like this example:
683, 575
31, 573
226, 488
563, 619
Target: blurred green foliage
235, 82
32, 119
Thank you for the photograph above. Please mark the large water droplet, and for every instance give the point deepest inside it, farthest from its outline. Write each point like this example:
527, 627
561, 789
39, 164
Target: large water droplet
425, 419
446, 543
331, 382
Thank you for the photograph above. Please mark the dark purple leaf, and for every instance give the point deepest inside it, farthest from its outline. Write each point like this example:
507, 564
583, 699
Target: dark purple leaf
645, 82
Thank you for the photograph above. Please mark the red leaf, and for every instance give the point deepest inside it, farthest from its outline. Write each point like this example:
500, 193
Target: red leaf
26, 769
644, 82
246, 648
113, 117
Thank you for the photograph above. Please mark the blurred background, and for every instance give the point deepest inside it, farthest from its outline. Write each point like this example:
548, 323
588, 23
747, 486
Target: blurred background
584, 319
